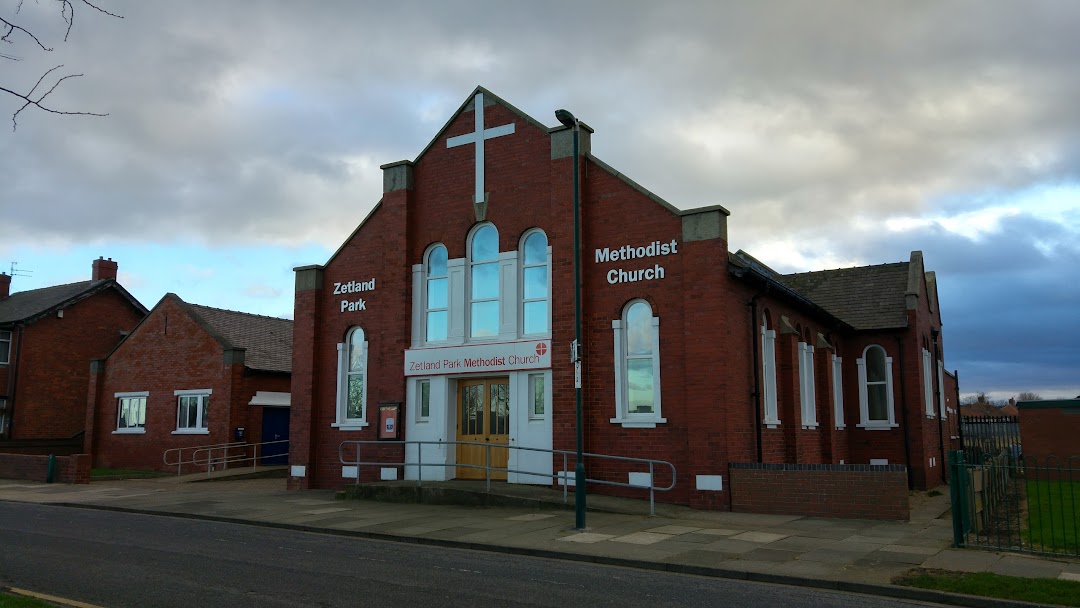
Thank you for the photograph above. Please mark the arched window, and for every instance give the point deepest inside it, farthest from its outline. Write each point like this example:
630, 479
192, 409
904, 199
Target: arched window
928, 380
768, 373
637, 370
484, 282
535, 286
438, 294
876, 389
352, 380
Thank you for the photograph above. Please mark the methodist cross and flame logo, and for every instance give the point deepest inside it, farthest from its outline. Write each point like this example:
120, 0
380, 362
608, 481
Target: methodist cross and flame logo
541, 348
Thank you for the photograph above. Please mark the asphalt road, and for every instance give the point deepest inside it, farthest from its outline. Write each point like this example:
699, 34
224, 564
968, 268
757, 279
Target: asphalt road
117, 559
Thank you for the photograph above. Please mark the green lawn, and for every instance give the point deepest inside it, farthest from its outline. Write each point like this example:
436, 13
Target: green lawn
1054, 515
1038, 590
17, 601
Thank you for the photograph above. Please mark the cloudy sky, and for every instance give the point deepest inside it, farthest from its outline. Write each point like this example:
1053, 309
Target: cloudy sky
244, 138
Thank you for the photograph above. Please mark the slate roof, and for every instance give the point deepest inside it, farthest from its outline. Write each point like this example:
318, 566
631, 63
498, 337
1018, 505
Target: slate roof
866, 297
26, 305
266, 340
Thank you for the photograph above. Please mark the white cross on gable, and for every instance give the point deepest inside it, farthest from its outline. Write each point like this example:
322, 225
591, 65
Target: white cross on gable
477, 137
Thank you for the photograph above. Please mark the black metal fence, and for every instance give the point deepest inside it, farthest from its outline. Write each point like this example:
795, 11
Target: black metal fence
1019, 504
989, 436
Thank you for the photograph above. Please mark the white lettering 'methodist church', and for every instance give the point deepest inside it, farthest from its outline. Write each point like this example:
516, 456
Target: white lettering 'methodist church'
448, 317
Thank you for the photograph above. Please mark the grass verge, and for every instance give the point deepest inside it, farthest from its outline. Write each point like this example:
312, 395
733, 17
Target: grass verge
986, 584
1053, 514
17, 601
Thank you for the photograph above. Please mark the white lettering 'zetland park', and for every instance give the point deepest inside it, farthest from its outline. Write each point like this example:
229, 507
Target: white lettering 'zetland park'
354, 287
631, 252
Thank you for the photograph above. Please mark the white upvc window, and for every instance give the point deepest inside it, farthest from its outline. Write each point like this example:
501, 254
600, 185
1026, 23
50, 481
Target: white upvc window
352, 381
876, 408
131, 412
423, 400
484, 290
768, 375
537, 397
3, 414
192, 412
535, 285
838, 391
928, 383
637, 367
941, 388
5, 347
437, 295
807, 390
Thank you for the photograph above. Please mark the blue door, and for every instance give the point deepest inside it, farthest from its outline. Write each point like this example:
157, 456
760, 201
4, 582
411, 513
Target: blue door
275, 427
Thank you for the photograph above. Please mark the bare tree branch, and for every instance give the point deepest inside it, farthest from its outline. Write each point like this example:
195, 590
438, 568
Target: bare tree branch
11, 29
31, 101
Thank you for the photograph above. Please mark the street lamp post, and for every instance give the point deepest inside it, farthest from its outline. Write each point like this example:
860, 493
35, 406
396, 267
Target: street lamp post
569, 120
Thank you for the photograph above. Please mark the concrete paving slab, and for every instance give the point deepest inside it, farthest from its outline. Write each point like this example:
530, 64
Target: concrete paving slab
731, 547
770, 555
881, 556
531, 517
854, 546
808, 569
1015, 565
694, 537
800, 543
720, 531
1069, 576
586, 537
962, 560
925, 551
833, 556
759, 537
672, 529
326, 510
641, 538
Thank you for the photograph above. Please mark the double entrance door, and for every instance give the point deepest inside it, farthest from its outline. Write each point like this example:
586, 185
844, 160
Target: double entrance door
483, 406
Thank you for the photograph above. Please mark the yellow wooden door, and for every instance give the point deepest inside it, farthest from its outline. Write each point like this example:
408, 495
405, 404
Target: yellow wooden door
483, 418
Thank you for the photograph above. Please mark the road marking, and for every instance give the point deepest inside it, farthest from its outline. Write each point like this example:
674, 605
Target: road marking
52, 598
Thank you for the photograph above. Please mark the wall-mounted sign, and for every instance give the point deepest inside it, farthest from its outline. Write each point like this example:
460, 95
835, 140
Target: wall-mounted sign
632, 252
349, 287
469, 358
389, 415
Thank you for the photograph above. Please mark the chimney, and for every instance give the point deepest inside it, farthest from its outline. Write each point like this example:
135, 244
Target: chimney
104, 269
5, 285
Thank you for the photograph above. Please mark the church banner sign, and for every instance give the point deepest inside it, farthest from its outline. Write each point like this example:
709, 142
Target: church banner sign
472, 358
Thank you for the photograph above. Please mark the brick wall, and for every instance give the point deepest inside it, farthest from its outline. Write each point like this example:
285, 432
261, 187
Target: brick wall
1050, 428
69, 469
854, 491
54, 363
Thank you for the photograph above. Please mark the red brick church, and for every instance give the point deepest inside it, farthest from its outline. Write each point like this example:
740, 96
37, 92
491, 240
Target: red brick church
453, 301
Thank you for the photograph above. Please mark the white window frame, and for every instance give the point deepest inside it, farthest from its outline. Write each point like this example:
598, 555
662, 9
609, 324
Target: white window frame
130, 430
469, 301
928, 383
426, 279
420, 415
522, 300
768, 375
622, 416
5, 348
342, 405
807, 388
199, 429
542, 378
941, 388
838, 392
864, 403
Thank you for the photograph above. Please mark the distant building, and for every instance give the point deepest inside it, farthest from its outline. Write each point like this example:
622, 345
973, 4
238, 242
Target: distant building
47, 338
452, 307
191, 376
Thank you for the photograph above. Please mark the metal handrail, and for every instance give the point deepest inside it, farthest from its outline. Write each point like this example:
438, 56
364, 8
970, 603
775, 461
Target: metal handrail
565, 473
226, 457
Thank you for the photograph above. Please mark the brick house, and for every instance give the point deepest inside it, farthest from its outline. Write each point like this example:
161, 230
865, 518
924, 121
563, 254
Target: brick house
47, 338
453, 302
190, 376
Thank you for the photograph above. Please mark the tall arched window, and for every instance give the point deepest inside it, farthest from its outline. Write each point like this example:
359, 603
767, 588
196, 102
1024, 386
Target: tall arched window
484, 282
768, 373
438, 295
876, 389
535, 288
637, 370
352, 380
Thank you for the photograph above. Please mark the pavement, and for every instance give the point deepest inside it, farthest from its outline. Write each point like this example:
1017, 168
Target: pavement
846, 554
